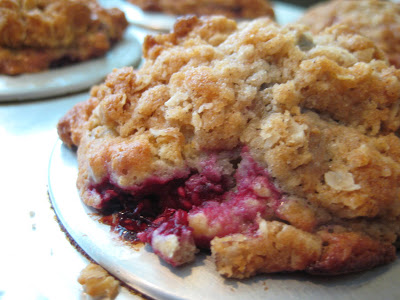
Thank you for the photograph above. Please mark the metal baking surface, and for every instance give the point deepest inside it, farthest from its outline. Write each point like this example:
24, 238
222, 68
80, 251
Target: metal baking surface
144, 271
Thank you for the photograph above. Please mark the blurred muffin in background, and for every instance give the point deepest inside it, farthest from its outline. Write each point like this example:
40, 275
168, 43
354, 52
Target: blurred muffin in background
38, 34
229, 8
378, 20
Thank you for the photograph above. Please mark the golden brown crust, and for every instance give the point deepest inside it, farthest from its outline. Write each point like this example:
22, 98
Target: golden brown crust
379, 20
70, 127
331, 165
228, 8
276, 247
36, 34
350, 252
319, 113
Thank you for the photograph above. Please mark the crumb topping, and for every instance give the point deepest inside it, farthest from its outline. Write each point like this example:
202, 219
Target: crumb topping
378, 20
264, 137
97, 282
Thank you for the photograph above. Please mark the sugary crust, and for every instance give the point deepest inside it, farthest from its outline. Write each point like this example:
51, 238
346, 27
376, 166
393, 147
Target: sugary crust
37, 34
376, 19
330, 165
228, 8
276, 247
70, 127
317, 113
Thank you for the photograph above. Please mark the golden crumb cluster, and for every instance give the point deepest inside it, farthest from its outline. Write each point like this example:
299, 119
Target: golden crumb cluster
98, 283
34, 34
379, 20
318, 112
228, 8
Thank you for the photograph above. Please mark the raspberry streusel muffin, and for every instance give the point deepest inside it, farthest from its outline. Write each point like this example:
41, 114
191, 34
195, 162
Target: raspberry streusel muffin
38, 34
228, 8
272, 147
379, 20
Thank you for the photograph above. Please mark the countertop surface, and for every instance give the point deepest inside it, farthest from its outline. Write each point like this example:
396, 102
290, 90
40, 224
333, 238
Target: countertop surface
37, 261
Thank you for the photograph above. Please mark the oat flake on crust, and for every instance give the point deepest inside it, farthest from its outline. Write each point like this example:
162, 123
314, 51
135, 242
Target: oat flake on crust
277, 147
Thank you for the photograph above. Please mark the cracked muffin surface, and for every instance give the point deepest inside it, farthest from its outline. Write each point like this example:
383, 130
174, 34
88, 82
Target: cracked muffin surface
377, 19
37, 34
272, 147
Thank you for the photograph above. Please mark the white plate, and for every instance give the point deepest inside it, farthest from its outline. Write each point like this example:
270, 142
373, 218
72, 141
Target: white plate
285, 13
148, 20
74, 77
145, 272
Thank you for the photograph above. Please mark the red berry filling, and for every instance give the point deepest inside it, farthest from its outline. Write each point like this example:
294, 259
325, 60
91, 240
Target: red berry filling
171, 221
231, 204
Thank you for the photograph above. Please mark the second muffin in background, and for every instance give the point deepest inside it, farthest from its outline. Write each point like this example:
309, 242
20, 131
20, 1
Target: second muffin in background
229, 8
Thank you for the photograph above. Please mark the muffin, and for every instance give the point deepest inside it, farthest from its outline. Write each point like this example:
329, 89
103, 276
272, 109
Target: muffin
270, 146
228, 8
39, 34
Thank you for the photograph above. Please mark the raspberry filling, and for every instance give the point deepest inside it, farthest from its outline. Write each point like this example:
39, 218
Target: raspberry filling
177, 216
254, 196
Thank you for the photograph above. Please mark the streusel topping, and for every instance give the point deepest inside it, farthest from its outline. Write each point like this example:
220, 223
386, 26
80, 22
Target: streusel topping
258, 136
